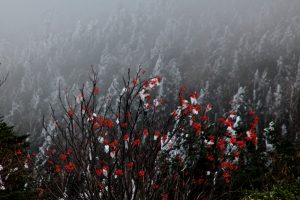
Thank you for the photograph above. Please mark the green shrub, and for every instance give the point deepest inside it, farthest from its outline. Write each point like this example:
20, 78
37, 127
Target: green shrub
289, 191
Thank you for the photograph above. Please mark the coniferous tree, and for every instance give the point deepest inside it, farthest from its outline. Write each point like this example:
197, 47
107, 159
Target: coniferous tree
14, 178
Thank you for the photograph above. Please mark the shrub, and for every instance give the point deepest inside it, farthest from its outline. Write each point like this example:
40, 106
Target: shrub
289, 191
139, 150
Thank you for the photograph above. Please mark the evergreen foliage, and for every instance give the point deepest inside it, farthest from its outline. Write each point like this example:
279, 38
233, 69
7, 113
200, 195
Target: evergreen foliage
14, 177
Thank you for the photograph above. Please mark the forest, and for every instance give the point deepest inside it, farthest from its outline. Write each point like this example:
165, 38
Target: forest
157, 99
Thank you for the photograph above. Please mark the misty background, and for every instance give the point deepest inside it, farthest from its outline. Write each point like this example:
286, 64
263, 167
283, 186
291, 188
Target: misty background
223, 49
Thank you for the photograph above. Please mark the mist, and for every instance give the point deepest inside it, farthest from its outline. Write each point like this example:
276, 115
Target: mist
26, 19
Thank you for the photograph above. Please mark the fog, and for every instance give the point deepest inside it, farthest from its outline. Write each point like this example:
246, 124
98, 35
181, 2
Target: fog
20, 20
212, 46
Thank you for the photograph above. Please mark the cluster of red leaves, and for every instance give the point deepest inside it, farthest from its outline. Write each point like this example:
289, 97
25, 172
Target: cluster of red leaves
60, 161
70, 167
19, 152
100, 122
145, 93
